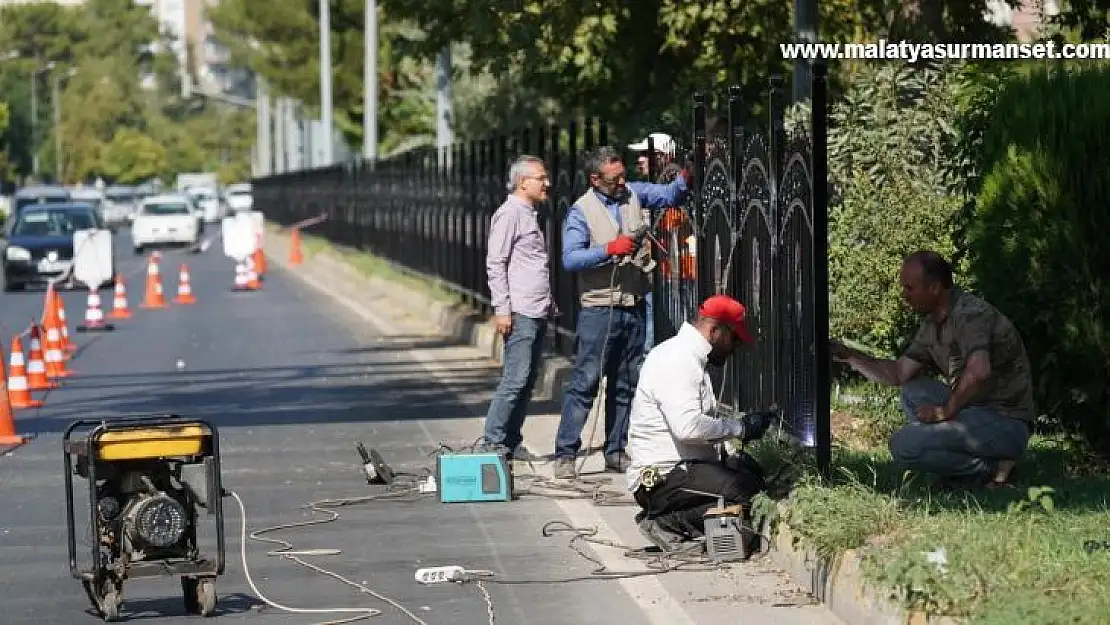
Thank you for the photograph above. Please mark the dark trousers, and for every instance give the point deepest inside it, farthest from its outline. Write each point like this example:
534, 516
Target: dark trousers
624, 353
520, 365
683, 512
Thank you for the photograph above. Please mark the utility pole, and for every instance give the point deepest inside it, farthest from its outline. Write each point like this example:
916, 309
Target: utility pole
280, 162
35, 125
262, 134
805, 31
325, 82
55, 95
444, 136
370, 83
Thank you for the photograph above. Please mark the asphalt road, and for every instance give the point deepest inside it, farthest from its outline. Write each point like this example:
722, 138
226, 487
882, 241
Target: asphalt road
291, 387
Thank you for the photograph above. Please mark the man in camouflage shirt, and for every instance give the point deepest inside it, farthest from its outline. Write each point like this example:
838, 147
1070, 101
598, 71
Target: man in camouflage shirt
975, 423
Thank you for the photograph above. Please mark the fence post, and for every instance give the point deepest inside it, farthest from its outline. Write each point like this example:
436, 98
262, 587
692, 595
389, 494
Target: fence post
819, 169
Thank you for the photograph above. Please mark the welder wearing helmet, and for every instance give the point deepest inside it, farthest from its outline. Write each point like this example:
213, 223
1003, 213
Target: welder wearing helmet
676, 429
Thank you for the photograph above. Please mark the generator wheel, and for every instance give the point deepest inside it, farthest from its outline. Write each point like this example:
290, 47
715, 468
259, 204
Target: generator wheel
206, 596
189, 594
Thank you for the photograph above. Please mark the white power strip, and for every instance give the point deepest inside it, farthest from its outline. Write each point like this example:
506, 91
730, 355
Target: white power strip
440, 574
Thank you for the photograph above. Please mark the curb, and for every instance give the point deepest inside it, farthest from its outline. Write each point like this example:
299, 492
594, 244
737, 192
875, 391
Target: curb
837, 584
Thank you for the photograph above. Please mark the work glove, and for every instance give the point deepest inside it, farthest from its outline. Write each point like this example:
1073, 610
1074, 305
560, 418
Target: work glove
620, 246
688, 177
756, 425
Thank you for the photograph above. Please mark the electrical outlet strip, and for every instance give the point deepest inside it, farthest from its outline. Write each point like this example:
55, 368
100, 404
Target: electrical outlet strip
440, 574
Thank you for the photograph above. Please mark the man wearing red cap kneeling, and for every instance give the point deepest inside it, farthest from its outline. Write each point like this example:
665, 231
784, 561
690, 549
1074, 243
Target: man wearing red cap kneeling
675, 431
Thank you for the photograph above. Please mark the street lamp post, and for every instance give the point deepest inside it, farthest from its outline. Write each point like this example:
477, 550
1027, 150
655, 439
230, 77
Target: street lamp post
325, 81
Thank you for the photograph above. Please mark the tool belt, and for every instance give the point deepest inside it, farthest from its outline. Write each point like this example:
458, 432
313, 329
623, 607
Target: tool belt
650, 478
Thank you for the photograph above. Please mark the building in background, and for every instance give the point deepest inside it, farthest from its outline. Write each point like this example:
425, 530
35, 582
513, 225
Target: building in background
193, 42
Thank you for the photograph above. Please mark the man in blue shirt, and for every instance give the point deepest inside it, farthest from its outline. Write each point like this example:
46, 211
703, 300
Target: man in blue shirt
614, 274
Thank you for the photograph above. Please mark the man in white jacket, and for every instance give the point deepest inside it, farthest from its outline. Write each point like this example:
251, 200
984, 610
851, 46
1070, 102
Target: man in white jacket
674, 431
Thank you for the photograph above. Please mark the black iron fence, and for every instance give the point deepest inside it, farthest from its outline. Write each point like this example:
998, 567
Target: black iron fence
753, 226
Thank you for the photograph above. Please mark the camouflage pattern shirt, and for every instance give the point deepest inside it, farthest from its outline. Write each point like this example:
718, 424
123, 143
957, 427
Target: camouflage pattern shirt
971, 325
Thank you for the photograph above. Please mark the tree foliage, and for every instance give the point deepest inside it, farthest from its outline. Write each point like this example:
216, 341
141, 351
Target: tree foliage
5, 164
280, 41
889, 147
95, 53
1036, 241
132, 157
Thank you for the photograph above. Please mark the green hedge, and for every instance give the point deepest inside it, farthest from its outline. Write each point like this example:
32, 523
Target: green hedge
1037, 244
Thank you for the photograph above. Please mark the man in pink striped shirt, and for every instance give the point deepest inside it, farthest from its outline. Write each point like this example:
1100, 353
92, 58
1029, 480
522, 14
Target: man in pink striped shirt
520, 292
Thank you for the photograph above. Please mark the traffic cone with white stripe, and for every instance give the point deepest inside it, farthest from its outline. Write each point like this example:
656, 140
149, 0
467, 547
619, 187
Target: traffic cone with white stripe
184, 287
242, 282
120, 309
155, 296
7, 419
55, 352
19, 391
94, 316
37, 378
259, 258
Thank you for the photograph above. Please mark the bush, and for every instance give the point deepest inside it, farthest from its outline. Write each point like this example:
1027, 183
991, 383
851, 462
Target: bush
1036, 245
890, 144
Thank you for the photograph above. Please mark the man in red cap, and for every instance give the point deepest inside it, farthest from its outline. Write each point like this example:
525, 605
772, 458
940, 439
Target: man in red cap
675, 430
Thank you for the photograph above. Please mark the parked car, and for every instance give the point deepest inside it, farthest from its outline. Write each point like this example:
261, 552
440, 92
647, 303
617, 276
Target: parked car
40, 242
210, 203
39, 195
165, 219
120, 202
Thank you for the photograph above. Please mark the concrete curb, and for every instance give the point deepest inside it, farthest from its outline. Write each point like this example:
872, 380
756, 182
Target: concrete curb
837, 584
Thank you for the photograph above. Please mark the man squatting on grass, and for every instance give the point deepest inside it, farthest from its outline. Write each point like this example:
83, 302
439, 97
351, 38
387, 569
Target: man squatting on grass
975, 425
520, 291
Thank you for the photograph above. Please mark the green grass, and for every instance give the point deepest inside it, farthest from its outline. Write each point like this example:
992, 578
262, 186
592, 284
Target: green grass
1012, 556
370, 265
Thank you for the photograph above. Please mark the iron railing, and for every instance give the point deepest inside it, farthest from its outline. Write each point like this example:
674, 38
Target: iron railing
753, 226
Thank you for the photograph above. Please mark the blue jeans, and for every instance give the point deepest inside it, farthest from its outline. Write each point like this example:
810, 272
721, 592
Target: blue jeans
624, 353
520, 364
967, 445
649, 314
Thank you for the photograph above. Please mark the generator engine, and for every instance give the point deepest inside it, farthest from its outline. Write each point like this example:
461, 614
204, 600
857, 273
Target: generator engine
146, 513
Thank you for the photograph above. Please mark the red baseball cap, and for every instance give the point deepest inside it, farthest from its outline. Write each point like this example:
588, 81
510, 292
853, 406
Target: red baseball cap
729, 312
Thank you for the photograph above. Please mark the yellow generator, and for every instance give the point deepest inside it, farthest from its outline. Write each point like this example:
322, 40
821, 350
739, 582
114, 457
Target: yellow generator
148, 476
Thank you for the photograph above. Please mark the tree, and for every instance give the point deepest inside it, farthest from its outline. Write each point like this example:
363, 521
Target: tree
280, 41
132, 157
5, 162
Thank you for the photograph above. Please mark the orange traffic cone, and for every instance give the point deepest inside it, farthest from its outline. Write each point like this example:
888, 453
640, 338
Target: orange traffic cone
252, 275
68, 346
259, 257
94, 316
184, 288
55, 352
240, 276
37, 378
155, 297
296, 255
120, 310
19, 392
7, 419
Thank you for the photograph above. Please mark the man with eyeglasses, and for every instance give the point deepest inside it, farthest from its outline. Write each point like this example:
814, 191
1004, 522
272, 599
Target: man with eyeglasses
520, 292
603, 243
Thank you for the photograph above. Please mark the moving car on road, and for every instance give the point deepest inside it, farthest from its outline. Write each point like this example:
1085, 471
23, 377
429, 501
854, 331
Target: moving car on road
39, 245
239, 197
165, 220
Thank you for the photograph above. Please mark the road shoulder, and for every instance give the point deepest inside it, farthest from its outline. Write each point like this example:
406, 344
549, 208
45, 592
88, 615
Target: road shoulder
760, 591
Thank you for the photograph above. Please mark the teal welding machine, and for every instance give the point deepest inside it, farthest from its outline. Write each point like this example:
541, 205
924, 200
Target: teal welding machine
473, 477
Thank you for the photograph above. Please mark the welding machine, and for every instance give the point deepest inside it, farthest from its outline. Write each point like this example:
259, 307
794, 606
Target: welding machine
474, 477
